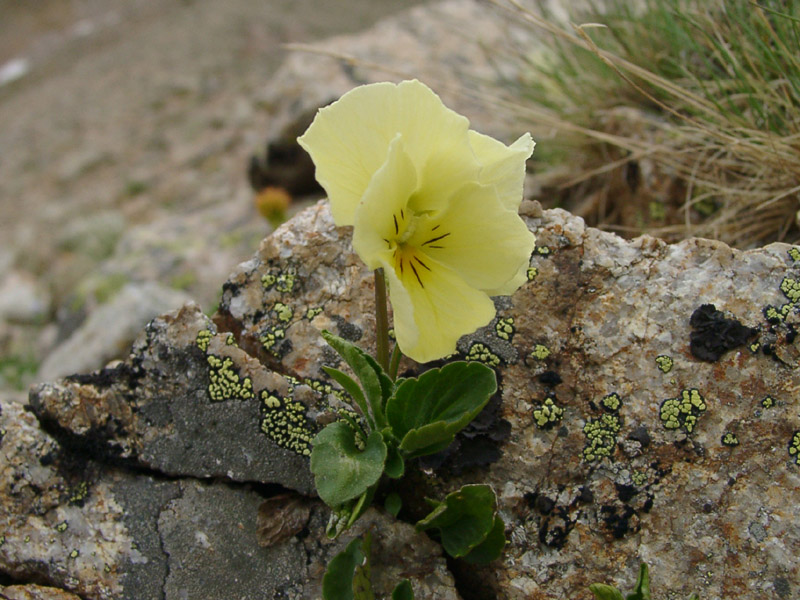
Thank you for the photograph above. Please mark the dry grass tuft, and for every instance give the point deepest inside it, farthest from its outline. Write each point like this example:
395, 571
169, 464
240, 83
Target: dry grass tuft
681, 118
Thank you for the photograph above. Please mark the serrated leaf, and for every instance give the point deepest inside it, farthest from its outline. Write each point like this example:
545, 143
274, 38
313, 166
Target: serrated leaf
425, 413
641, 591
464, 519
337, 583
602, 591
342, 471
403, 591
492, 547
352, 388
376, 383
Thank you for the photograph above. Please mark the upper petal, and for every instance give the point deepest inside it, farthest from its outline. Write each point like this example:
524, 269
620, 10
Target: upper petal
488, 245
381, 213
349, 141
503, 166
429, 319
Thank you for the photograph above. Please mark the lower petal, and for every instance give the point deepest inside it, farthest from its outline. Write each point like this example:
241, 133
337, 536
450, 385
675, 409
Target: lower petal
429, 318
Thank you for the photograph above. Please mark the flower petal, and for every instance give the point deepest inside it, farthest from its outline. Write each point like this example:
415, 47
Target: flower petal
429, 319
478, 238
380, 214
349, 141
503, 166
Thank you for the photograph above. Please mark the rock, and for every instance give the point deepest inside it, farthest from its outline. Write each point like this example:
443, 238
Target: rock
35, 592
109, 533
22, 299
109, 331
650, 455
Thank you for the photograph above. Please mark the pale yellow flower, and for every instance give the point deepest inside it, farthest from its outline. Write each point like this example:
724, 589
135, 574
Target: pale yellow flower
431, 202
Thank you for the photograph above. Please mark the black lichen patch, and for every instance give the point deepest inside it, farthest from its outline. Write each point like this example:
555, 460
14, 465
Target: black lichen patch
555, 527
714, 334
284, 421
347, 330
619, 520
550, 378
683, 412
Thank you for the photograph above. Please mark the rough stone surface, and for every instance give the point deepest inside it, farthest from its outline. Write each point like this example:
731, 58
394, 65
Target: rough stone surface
619, 444
34, 592
108, 333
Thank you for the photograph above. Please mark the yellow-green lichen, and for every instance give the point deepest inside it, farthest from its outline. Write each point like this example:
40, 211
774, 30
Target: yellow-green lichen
768, 402
540, 352
283, 280
224, 382
601, 437
283, 312
284, 422
548, 413
27, 539
755, 347
730, 439
543, 250
794, 447
324, 388
313, 312
611, 402
639, 478
480, 352
794, 253
203, 338
664, 363
79, 493
791, 289
74, 554
532, 273
270, 337
682, 412
231, 341
62, 527
504, 328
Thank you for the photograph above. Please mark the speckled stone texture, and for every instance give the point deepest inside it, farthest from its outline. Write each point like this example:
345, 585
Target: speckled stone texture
609, 443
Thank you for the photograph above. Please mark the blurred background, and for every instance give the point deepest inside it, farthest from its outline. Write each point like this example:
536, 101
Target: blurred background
126, 127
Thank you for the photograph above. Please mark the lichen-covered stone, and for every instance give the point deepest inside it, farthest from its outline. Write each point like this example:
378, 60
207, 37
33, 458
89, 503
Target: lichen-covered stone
627, 477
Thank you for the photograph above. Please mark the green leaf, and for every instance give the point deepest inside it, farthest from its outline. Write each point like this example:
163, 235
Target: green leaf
425, 413
337, 583
464, 520
492, 547
352, 388
694, 597
641, 591
393, 504
376, 383
602, 591
403, 591
342, 471
395, 466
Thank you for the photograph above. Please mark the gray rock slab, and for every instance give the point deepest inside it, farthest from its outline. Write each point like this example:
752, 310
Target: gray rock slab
109, 331
188, 402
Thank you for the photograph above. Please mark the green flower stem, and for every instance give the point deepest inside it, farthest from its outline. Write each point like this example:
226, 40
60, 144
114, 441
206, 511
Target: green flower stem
381, 321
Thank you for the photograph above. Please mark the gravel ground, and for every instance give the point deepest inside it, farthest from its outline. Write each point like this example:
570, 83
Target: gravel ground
123, 114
